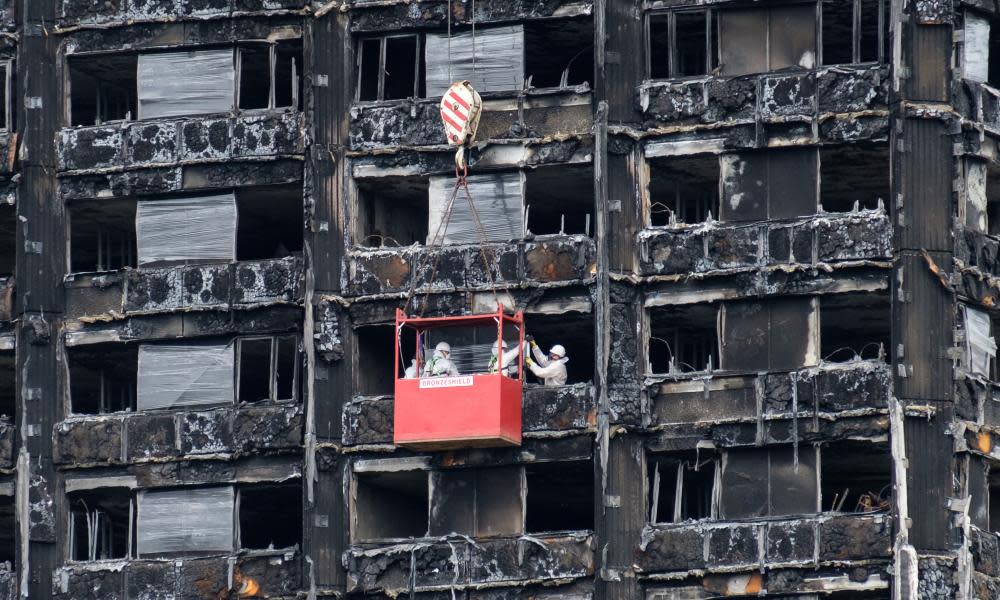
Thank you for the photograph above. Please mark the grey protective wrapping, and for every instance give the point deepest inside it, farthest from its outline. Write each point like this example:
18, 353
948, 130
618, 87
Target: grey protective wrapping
499, 201
197, 82
201, 229
976, 48
177, 375
981, 347
190, 520
498, 65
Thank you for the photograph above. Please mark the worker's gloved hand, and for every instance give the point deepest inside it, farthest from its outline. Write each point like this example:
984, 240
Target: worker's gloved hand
529, 361
530, 339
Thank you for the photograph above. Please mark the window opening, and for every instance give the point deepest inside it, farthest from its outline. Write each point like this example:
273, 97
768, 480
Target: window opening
477, 502
102, 88
854, 177
573, 331
683, 339
559, 53
102, 378
268, 368
270, 516
8, 525
855, 325
389, 68
856, 477
390, 505
682, 486
559, 200
255, 80
768, 482
8, 384
8, 239
683, 189
392, 211
759, 40
99, 524
560, 496
682, 43
269, 223
102, 235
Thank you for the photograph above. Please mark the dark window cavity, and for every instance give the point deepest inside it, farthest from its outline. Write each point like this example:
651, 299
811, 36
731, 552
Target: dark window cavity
854, 326
374, 368
8, 384
856, 477
102, 235
390, 68
559, 53
683, 189
99, 524
853, 31
683, 339
559, 200
560, 496
575, 332
268, 368
270, 516
682, 43
392, 211
8, 239
390, 505
102, 88
854, 178
102, 378
682, 486
270, 223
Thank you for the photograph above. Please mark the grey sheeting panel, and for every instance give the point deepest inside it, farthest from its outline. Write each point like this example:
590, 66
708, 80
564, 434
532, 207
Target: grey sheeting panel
174, 84
977, 48
177, 375
190, 520
981, 347
499, 60
201, 229
499, 201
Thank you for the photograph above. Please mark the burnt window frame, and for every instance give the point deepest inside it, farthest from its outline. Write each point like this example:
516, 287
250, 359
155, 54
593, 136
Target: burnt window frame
275, 340
298, 89
69, 547
654, 459
855, 35
8, 105
711, 41
383, 42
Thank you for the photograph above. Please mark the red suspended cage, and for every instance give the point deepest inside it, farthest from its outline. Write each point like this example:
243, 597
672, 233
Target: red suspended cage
472, 410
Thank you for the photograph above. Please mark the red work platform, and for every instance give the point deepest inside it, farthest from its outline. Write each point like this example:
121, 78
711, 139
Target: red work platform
474, 410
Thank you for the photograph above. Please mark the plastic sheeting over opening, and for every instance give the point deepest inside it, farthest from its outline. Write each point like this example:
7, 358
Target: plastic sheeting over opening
200, 229
980, 346
198, 82
177, 375
193, 520
498, 64
977, 48
499, 201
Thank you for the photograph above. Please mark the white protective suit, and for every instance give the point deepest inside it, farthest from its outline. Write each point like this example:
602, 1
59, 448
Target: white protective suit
440, 365
508, 361
411, 371
552, 372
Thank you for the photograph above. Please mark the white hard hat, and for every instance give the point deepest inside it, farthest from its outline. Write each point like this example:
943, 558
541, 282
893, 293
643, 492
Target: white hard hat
558, 350
502, 344
443, 347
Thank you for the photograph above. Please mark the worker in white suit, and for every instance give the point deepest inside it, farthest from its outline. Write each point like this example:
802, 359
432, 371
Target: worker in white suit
440, 364
549, 368
503, 360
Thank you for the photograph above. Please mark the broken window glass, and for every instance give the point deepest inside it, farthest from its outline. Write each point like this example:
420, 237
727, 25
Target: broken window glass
683, 339
980, 346
270, 516
185, 521
390, 68
195, 82
390, 505
186, 230
102, 378
682, 486
492, 60
102, 88
267, 368
683, 189
190, 374
499, 205
99, 524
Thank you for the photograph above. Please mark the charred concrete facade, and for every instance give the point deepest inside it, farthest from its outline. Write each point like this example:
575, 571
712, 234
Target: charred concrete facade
763, 230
